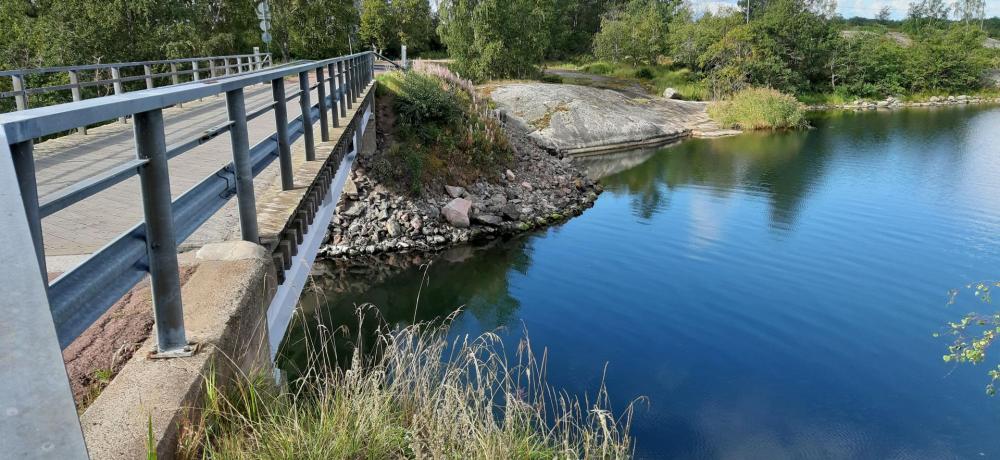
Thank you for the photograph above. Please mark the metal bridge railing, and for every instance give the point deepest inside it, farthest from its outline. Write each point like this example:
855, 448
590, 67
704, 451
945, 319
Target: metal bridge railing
80, 296
117, 74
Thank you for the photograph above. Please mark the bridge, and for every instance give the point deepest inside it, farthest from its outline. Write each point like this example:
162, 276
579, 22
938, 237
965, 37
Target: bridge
98, 194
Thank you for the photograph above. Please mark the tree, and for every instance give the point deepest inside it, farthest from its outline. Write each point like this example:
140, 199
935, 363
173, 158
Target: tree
884, 15
494, 38
636, 32
925, 14
376, 25
413, 23
971, 11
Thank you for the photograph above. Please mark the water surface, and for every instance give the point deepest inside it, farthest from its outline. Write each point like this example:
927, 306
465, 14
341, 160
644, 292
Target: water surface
774, 296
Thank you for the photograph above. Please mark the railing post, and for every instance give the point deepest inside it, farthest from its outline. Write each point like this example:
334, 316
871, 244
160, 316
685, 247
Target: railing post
239, 138
21, 98
360, 80
332, 79
281, 122
324, 124
24, 166
154, 179
350, 83
307, 122
343, 91
148, 70
195, 70
174, 78
74, 79
211, 68
116, 77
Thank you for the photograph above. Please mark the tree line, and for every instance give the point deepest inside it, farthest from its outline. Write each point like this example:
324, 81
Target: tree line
39, 33
797, 46
792, 45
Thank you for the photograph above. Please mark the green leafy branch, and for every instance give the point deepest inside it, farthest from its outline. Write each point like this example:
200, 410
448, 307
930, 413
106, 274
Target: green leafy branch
974, 333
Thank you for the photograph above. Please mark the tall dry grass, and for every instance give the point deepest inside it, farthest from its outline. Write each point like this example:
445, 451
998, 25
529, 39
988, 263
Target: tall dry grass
759, 108
411, 394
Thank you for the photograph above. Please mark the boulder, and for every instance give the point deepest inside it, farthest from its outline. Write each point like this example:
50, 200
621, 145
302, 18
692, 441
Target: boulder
510, 175
355, 209
511, 212
487, 219
671, 93
456, 212
351, 189
393, 229
454, 192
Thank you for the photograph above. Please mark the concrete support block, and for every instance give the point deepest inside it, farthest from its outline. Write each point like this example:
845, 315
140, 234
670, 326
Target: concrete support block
225, 312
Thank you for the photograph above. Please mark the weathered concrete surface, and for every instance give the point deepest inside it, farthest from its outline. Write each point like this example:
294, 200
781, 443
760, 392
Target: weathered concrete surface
224, 312
573, 119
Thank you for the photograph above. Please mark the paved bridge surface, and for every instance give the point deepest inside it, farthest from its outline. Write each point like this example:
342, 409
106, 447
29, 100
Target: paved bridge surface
85, 227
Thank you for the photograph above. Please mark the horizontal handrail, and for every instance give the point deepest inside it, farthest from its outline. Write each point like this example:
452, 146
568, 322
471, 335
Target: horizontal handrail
42, 121
37, 70
217, 65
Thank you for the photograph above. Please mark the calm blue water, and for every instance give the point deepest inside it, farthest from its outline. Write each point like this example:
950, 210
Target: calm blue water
774, 296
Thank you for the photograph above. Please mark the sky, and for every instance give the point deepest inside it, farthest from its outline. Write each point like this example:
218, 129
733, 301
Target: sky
850, 8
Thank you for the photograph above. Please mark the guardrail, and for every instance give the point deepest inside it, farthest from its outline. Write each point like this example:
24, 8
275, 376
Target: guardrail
78, 297
116, 75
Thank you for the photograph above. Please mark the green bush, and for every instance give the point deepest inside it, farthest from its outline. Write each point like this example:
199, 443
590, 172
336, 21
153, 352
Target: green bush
442, 132
644, 73
599, 68
423, 101
551, 78
759, 108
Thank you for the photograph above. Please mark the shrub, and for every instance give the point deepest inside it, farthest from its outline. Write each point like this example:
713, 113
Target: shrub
599, 68
759, 108
644, 73
421, 101
443, 131
551, 78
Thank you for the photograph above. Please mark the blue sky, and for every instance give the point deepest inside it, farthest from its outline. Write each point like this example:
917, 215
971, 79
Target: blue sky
849, 8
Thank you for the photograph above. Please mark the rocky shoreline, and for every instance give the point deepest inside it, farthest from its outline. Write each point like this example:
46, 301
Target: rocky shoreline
894, 103
538, 190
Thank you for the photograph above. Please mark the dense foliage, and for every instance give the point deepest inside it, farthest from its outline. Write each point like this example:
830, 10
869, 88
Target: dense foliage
48, 33
796, 46
442, 132
390, 24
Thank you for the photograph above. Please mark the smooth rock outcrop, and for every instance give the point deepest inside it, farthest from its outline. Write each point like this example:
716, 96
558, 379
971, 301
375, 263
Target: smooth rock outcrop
579, 119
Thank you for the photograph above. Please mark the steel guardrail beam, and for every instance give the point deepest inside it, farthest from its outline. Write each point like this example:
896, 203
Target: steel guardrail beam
42, 121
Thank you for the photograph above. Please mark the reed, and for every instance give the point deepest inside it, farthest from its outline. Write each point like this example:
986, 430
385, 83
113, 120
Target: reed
412, 393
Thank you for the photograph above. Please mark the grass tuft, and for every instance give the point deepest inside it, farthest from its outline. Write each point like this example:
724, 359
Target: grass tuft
759, 108
414, 394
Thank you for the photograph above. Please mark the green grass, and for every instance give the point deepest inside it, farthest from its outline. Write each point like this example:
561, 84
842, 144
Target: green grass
441, 131
654, 78
924, 96
759, 108
412, 394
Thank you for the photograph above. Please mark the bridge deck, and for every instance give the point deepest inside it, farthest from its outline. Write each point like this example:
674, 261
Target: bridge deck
85, 227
